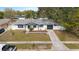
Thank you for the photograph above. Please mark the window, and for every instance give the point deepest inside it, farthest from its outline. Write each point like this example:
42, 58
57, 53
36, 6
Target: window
34, 26
41, 25
20, 26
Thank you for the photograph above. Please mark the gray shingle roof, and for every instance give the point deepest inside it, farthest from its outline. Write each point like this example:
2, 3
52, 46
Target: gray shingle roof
3, 21
33, 21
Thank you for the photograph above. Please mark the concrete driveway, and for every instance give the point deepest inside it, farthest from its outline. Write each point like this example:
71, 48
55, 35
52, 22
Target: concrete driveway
56, 43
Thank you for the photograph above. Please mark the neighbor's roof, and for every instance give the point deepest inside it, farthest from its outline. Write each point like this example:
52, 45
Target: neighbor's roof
33, 21
3, 21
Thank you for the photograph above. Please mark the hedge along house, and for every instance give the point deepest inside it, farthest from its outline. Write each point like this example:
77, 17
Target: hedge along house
35, 25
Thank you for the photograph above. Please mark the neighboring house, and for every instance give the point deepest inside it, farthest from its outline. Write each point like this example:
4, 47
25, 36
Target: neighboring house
35, 25
20, 17
43, 18
4, 23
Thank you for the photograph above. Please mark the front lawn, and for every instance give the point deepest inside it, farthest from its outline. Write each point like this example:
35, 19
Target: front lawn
33, 46
72, 46
21, 36
66, 36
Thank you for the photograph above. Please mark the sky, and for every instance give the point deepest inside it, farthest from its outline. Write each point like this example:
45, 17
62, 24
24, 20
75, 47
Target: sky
20, 8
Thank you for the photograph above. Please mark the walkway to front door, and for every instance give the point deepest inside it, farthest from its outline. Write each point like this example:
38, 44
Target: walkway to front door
56, 43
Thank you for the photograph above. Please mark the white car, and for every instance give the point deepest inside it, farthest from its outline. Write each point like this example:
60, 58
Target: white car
7, 47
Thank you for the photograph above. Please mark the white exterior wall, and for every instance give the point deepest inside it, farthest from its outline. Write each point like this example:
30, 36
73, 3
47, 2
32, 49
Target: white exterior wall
27, 28
21, 18
36, 28
43, 28
58, 28
40, 28
15, 27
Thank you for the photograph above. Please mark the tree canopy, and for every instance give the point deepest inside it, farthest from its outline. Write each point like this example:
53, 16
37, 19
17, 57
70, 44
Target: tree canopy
65, 16
1, 15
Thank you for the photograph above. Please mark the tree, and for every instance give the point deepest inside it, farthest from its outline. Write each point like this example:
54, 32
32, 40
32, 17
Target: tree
19, 13
65, 16
30, 14
1, 15
9, 13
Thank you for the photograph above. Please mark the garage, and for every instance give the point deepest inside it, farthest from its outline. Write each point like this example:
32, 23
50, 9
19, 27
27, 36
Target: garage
49, 26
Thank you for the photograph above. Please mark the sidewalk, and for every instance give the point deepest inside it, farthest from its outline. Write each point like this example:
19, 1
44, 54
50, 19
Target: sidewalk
26, 42
71, 42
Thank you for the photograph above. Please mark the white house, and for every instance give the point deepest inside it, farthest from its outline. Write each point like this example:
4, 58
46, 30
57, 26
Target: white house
35, 25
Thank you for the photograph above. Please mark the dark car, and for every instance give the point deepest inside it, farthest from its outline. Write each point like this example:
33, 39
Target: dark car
8, 47
2, 30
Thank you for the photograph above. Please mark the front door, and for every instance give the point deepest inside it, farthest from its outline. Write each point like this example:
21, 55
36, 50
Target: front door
49, 26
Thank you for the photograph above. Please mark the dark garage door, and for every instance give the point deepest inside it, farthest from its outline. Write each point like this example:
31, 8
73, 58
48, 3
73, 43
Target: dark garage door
49, 26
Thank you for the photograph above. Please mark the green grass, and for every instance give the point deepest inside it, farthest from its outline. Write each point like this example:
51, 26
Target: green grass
66, 36
24, 46
21, 36
72, 46
33, 46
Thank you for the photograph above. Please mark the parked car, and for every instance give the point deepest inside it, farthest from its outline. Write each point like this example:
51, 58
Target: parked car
2, 30
7, 47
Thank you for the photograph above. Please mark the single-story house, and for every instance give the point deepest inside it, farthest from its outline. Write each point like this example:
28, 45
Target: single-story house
35, 25
4, 23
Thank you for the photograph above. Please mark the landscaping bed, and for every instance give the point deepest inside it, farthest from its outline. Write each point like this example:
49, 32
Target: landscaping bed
18, 35
66, 36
